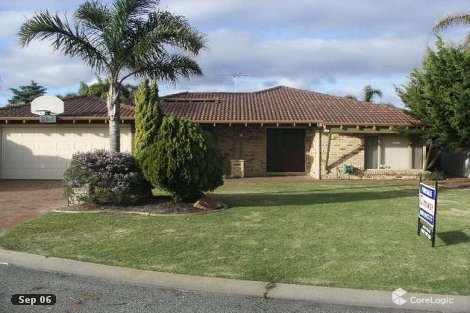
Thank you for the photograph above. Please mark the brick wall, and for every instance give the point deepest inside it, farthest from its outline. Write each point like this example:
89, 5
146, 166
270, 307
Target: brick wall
309, 150
243, 143
345, 149
249, 144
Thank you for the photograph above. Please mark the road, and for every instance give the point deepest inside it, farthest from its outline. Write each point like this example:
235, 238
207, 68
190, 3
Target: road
86, 294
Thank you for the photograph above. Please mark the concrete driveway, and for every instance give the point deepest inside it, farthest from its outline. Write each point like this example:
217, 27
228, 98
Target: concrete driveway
22, 200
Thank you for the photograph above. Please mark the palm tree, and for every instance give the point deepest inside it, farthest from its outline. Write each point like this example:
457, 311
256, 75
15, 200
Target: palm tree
101, 87
123, 39
370, 93
453, 19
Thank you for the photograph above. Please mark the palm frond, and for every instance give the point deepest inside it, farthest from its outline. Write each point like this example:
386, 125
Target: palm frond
71, 40
175, 66
121, 31
370, 93
160, 30
94, 15
450, 20
167, 67
466, 43
135, 8
174, 30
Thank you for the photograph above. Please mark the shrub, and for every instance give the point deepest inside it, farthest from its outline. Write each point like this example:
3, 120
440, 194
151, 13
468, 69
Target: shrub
148, 117
436, 175
104, 177
184, 160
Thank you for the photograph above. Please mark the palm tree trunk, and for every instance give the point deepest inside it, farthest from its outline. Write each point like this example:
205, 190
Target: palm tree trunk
114, 108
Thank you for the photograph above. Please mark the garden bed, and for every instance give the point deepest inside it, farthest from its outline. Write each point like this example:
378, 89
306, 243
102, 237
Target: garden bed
156, 205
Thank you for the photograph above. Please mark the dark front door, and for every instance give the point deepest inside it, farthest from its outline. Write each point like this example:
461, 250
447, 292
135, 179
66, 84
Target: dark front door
285, 150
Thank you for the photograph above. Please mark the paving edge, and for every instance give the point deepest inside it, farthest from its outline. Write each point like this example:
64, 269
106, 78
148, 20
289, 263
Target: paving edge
341, 296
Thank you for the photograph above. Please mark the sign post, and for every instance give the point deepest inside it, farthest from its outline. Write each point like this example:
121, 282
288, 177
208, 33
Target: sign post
427, 206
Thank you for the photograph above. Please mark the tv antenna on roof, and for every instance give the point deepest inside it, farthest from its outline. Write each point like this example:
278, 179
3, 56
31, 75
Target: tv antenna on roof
236, 76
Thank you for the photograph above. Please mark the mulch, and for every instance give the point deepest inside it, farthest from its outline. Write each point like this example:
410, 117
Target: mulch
455, 183
156, 205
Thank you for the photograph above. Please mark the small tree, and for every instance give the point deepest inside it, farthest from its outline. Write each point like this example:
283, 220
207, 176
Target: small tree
148, 117
438, 95
370, 93
184, 161
27, 93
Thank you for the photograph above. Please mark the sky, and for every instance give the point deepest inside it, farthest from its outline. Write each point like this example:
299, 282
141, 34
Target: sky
330, 46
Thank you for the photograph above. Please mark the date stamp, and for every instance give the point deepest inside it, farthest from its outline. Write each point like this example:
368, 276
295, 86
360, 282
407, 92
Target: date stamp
33, 299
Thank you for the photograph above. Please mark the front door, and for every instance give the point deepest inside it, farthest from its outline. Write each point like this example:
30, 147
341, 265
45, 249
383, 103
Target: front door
285, 150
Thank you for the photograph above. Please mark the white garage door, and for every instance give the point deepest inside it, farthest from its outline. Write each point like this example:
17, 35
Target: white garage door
45, 152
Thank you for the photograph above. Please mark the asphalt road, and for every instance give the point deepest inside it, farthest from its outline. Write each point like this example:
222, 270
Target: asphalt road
85, 294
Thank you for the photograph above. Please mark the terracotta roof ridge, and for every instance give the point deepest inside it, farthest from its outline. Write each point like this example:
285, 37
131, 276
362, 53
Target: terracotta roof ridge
347, 99
65, 99
270, 89
97, 98
78, 96
206, 93
175, 94
192, 99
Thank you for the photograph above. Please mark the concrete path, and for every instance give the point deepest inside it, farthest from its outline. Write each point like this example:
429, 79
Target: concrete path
338, 296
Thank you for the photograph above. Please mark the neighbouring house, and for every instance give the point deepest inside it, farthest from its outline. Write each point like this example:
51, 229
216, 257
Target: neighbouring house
456, 163
277, 131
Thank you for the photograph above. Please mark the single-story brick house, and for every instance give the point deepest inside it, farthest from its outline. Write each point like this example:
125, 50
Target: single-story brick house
276, 131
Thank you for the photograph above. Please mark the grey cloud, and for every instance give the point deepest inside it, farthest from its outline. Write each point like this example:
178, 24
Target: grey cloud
310, 58
330, 46
38, 62
339, 66
51, 5
354, 17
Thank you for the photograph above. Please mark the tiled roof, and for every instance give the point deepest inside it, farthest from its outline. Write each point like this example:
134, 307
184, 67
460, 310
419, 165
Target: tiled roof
275, 105
81, 107
280, 105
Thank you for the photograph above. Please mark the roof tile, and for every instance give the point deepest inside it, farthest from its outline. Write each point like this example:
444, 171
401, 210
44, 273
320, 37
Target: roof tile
280, 105
275, 105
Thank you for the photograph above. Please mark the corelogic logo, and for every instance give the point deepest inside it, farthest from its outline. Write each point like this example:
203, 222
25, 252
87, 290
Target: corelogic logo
397, 296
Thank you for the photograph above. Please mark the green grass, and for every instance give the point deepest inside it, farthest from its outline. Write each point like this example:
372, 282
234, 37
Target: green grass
356, 235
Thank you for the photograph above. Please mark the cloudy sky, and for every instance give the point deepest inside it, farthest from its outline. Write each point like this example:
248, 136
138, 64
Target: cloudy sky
331, 46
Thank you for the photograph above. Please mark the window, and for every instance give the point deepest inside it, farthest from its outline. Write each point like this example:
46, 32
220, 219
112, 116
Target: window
392, 152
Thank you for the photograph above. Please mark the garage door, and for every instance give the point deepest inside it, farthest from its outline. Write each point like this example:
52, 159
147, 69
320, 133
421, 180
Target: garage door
45, 152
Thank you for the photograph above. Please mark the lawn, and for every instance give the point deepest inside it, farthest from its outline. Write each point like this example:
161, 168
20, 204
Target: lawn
347, 234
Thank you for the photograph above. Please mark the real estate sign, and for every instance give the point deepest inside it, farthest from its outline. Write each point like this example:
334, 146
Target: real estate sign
427, 204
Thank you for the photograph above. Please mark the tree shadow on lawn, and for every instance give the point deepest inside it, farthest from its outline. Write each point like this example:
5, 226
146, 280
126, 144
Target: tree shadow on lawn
453, 237
308, 198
